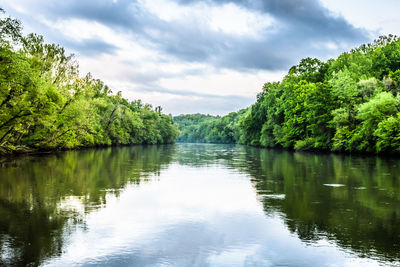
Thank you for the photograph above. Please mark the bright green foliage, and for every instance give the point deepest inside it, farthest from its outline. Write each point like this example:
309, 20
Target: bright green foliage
345, 88
192, 127
274, 116
252, 123
371, 114
388, 135
45, 104
209, 129
347, 104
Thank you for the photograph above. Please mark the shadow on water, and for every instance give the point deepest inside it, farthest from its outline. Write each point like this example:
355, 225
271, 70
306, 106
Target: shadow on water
34, 218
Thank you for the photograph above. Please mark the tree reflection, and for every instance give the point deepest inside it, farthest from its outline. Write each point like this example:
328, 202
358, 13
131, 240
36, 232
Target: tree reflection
351, 200
41, 197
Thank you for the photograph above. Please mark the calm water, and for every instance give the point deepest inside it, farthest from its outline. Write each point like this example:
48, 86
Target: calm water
199, 205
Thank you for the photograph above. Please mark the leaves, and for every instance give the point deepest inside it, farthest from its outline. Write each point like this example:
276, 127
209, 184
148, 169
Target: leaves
44, 104
347, 104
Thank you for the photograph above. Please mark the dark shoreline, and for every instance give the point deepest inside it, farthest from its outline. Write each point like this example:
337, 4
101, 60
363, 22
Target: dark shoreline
8, 155
42, 152
309, 151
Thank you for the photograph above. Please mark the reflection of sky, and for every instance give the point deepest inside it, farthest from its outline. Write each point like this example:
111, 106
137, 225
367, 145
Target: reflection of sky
206, 216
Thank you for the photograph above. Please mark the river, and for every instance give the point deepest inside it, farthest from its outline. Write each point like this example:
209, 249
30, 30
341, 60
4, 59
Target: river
199, 205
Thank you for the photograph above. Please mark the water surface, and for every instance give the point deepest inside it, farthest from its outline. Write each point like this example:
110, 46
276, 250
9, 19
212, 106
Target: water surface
199, 205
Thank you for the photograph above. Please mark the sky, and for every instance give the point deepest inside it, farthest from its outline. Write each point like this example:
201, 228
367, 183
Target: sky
210, 56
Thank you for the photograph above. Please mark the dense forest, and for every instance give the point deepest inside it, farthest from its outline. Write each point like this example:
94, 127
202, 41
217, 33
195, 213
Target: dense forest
46, 104
199, 128
349, 104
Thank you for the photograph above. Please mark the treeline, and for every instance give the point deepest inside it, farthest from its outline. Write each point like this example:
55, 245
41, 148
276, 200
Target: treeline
45, 104
348, 104
199, 128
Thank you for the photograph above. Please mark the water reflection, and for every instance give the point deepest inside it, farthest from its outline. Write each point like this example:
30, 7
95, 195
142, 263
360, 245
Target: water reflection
199, 204
352, 200
43, 198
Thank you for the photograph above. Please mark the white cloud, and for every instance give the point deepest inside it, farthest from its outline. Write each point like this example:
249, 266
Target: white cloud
380, 17
134, 66
171, 56
228, 18
224, 82
231, 19
77, 29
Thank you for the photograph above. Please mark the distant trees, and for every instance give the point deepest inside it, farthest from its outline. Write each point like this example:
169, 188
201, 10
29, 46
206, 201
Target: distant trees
45, 104
209, 129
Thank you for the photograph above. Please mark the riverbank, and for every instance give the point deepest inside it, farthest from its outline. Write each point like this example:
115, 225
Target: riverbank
6, 152
46, 105
348, 104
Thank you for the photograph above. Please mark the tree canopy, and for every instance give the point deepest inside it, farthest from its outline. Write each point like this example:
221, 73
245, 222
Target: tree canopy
46, 104
351, 104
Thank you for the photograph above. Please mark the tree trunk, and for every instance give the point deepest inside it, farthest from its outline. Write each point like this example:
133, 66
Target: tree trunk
4, 136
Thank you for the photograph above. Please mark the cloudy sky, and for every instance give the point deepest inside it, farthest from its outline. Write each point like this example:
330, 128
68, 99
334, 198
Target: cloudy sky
210, 56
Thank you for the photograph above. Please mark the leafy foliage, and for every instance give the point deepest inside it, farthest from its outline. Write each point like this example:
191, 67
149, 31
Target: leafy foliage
209, 129
45, 104
348, 104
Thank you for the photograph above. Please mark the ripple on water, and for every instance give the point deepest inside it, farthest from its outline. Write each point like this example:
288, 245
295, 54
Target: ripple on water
275, 196
334, 185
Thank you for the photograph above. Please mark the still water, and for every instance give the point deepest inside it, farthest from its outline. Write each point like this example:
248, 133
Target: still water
199, 205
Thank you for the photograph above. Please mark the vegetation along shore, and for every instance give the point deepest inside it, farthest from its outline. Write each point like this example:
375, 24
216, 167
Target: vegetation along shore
46, 105
347, 104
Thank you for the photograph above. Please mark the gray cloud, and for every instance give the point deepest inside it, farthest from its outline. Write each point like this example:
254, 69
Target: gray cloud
155, 89
302, 26
208, 105
192, 103
122, 13
90, 47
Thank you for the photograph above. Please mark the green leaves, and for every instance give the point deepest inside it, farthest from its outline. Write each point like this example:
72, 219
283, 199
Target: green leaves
44, 104
388, 135
347, 104
210, 129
